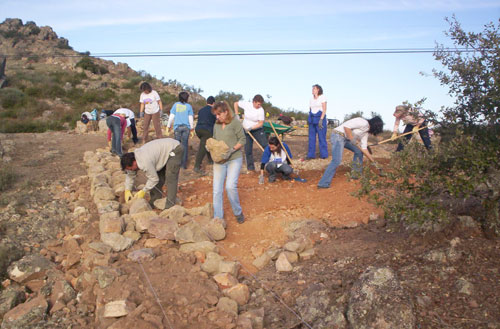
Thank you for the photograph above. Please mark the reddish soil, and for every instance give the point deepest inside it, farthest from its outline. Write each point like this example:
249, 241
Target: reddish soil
340, 258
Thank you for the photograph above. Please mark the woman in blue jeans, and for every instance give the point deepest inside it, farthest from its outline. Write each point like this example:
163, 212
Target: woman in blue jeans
228, 129
181, 114
345, 136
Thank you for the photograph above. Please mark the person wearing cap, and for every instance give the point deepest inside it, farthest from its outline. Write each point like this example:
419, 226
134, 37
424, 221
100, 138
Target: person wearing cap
414, 120
252, 124
204, 130
345, 136
131, 128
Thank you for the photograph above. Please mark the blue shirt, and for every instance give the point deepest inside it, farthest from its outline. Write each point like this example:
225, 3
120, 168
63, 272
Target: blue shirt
182, 113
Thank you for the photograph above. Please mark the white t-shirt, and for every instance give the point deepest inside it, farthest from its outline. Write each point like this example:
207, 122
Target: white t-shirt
252, 115
150, 102
278, 158
315, 104
359, 128
129, 114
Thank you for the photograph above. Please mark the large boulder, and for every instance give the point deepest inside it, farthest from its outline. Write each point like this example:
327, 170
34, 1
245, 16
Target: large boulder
26, 315
29, 268
216, 149
378, 301
163, 228
317, 308
139, 205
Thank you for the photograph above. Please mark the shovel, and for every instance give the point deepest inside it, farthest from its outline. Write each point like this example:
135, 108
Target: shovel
298, 179
390, 139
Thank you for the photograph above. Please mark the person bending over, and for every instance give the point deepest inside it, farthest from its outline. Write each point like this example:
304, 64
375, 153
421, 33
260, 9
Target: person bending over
160, 160
345, 136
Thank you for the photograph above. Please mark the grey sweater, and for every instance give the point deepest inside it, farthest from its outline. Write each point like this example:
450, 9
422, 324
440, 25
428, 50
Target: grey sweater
150, 158
232, 134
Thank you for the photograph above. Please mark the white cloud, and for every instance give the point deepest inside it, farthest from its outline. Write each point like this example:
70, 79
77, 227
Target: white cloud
66, 15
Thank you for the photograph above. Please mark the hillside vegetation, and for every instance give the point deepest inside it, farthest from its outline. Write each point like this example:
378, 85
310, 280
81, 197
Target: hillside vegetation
47, 84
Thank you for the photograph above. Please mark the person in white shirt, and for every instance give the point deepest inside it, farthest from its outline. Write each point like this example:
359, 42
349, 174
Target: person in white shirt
345, 136
151, 108
130, 116
252, 124
317, 124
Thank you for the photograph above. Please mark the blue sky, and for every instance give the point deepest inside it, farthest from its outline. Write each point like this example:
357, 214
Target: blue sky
351, 83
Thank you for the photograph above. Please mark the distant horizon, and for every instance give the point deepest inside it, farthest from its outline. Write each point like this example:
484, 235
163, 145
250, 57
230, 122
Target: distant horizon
351, 82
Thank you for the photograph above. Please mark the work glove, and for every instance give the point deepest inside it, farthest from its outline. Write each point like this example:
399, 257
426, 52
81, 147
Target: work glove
320, 124
261, 179
394, 136
128, 196
141, 115
192, 134
415, 129
140, 194
167, 131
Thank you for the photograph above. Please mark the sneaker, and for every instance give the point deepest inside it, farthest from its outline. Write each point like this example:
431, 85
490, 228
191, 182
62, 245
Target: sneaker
287, 177
320, 187
240, 218
272, 179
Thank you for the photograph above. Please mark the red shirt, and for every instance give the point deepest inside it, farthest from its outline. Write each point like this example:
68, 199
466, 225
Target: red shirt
123, 125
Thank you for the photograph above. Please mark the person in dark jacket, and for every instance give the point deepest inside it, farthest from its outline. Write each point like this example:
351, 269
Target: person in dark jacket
204, 130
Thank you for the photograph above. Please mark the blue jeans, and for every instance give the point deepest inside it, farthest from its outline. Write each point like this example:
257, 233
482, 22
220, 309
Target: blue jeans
323, 145
338, 143
116, 134
261, 138
424, 134
357, 160
181, 134
230, 172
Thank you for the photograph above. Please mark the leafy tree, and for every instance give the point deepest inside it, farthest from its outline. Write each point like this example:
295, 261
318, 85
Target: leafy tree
430, 187
473, 78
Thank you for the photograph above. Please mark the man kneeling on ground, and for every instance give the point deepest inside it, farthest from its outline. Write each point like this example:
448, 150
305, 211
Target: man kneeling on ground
160, 159
275, 160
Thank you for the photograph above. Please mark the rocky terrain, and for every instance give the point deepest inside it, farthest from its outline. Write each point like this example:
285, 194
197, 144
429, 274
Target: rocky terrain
75, 255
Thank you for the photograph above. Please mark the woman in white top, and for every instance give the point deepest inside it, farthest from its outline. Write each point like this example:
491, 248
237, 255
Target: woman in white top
151, 108
345, 136
317, 124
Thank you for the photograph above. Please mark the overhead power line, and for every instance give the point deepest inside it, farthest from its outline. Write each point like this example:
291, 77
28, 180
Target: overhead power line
287, 52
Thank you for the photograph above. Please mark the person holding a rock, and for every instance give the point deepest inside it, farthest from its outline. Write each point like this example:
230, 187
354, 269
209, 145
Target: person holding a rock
275, 161
414, 120
345, 136
151, 108
252, 123
228, 129
181, 115
204, 130
160, 160
317, 124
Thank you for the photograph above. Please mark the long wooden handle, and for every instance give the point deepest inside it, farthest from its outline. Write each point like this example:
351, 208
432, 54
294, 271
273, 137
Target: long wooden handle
282, 146
258, 144
408, 133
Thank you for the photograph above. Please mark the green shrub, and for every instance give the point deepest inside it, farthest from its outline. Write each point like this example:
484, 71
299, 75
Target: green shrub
133, 83
29, 125
7, 177
11, 97
88, 64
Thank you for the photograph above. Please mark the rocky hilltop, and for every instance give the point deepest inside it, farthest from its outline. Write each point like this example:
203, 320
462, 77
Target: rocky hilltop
50, 84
